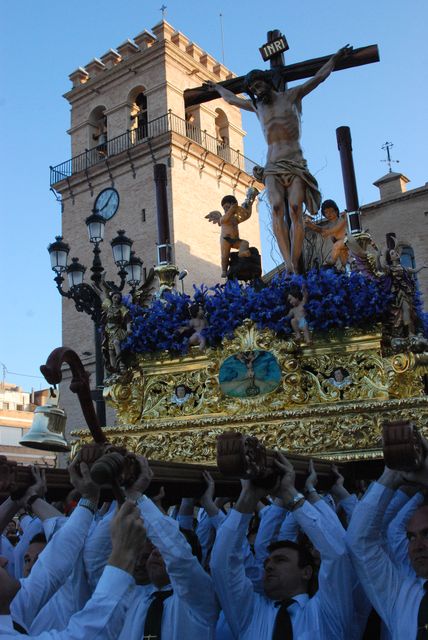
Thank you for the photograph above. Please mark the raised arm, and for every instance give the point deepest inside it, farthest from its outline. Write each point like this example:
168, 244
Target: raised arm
230, 97
328, 537
104, 614
397, 531
57, 560
188, 579
378, 574
323, 73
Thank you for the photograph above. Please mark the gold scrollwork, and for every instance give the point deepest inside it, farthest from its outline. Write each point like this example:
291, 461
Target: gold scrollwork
313, 410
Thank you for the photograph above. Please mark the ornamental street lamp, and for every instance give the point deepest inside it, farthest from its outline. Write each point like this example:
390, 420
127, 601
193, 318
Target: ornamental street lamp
88, 297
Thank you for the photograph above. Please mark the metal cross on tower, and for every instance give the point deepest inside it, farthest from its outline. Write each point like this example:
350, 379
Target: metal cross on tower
387, 146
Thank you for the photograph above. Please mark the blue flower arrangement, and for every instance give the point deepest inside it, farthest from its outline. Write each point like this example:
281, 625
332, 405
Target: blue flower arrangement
335, 301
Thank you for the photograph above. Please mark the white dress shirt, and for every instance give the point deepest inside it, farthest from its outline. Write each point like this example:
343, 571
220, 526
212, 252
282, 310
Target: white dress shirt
52, 568
251, 615
192, 610
101, 619
396, 598
397, 534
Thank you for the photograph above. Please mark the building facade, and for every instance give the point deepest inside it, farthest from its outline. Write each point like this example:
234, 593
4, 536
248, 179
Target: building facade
16, 417
403, 213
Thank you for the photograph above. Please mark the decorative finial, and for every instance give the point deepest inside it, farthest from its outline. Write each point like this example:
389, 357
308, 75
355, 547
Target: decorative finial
163, 9
387, 146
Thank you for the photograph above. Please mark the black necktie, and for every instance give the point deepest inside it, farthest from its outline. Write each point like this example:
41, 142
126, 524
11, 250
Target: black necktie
423, 616
18, 627
283, 629
153, 623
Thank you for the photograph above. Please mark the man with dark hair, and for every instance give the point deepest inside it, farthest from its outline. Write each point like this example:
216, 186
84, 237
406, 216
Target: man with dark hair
36, 546
285, 610
286, 174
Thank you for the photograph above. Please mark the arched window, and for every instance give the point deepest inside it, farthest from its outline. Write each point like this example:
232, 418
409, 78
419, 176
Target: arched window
98, 131
407, 256
139, 114
222, 135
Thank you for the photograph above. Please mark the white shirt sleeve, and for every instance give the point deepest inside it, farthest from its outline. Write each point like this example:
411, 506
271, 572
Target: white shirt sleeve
206, 534
378, 574
97, 549
397, 543
289, 529
188, 579
270, 524
54, 565
233, 587
348, 504
101, 619
335, 577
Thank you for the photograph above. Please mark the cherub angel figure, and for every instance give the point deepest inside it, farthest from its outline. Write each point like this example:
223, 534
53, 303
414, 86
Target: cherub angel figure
334, 229
194, 328
297, 298
229, 221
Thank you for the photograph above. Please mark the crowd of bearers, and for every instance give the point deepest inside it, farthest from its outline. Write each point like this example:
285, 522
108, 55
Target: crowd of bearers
275, 565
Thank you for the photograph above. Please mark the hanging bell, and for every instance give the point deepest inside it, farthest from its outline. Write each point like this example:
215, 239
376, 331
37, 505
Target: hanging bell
47, 430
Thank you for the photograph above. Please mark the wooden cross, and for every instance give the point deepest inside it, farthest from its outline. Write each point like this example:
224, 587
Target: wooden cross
281, 73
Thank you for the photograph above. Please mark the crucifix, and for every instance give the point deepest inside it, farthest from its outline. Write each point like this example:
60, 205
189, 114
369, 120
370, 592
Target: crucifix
387, 147
290, 186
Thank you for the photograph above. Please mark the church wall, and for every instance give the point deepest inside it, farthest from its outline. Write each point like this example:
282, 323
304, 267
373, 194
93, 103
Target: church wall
405, 215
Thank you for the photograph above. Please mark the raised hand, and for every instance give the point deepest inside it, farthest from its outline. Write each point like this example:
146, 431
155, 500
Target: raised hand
127, 535
288, 478
38, 488
419, 477
81, 480
338, 489
344, 51
143, 481
209, 85
312, 478
207, 498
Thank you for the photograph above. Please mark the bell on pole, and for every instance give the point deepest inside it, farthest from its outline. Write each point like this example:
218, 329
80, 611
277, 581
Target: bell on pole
47, 430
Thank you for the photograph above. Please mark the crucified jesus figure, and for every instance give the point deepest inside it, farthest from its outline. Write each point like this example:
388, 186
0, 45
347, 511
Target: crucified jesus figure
286, 174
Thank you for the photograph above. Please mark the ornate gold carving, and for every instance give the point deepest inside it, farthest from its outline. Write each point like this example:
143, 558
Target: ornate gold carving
310, 412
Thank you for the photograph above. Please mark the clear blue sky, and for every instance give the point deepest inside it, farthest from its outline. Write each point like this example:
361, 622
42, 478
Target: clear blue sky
42, 42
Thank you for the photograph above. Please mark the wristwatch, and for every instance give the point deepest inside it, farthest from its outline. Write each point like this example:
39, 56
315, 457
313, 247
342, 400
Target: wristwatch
88, 504
30, 501
299, 497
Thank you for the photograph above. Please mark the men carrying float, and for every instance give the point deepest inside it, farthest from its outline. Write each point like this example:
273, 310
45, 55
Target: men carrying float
285, 174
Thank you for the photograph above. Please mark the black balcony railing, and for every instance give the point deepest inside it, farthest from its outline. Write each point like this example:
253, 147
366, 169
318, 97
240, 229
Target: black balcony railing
142, 135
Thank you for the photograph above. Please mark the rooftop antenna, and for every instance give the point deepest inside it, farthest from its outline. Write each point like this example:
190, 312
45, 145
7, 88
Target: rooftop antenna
4, 369
387, 146
222, 37
163, 9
